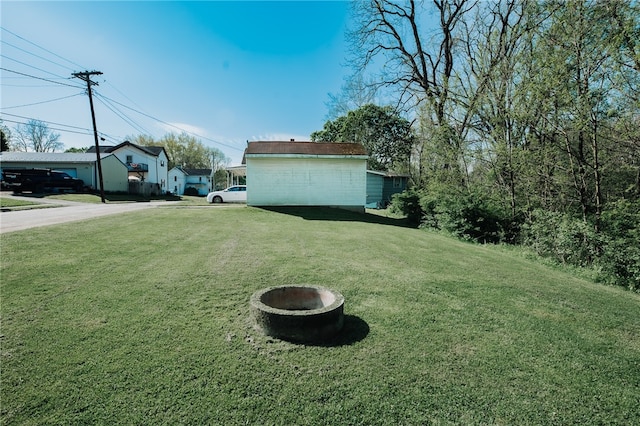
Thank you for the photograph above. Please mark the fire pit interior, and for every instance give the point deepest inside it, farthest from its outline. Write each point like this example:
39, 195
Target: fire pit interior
303, 313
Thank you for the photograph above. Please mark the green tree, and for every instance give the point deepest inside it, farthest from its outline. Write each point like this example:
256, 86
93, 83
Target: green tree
387, 137
186, 151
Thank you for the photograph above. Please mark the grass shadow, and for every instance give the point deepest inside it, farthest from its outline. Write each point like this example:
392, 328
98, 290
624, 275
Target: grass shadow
337, 214
354, 330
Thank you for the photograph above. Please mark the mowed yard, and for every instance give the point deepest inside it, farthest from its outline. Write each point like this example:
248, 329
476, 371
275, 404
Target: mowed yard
144, 318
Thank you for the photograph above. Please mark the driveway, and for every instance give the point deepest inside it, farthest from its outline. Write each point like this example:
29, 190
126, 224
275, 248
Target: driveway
65, 211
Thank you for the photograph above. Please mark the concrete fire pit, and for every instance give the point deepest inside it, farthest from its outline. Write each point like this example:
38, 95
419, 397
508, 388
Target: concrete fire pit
301, 313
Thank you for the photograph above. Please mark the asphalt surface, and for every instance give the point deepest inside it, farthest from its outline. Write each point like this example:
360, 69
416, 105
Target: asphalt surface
62, 212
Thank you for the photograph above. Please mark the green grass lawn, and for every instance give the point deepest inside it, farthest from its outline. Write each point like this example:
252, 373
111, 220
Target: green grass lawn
30, 200
14, 204
143, 318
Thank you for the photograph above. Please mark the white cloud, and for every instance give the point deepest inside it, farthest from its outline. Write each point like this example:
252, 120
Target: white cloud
180, 127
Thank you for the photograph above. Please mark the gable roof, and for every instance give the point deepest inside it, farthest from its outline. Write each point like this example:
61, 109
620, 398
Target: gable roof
192, 172
198, 172
388, 173
260, 148
151, 150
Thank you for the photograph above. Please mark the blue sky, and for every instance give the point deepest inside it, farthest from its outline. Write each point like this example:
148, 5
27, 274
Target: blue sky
229, 72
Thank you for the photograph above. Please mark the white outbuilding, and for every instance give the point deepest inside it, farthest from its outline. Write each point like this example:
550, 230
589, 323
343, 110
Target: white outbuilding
306, 174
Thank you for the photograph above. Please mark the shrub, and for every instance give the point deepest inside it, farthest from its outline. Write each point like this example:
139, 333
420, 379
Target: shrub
613, 253
190, 190
620, 259
467, 215
562, 237
408, 204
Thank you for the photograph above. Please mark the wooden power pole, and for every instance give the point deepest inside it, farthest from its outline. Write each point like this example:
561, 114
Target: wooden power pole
86, 76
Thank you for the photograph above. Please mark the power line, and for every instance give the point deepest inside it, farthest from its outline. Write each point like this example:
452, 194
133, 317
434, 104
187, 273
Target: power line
32, 66
86, 132
33, 54
79, 130
174, 126
44, 121
120, 114
123, 95
40, 47
102, 98
40, 78
42, 102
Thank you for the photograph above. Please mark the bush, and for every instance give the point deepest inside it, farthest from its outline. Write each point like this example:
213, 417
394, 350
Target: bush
562, 237
614, 252
190, 190
467, 215
620, 259
408, 204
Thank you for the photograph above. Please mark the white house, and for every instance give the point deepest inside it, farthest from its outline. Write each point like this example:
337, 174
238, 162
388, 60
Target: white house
147, 163
79, 165
306, 174
180, 179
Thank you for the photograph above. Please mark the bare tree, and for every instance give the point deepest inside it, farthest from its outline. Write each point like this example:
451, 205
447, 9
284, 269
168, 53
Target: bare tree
5, 137
416, 47
37, 137
419, 61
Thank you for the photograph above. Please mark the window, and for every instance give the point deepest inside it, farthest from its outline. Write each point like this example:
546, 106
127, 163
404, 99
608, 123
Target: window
200, 179
162, 163
175, 178
129, 158
397, 182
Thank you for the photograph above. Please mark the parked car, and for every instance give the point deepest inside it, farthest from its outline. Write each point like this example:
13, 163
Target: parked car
40, 180
233, 194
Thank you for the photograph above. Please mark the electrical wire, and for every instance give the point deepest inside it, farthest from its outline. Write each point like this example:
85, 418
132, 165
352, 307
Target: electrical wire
33, 54
120, 114
175, 127
79, 130
34, 67
86, 132
40, 78
42, 102
47, 122
104, 100
42, 48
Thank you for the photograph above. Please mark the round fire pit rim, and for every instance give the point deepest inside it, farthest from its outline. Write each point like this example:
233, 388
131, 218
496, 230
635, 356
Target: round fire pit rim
256, 301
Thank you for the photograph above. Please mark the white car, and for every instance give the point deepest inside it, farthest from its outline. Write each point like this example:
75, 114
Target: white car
233, 194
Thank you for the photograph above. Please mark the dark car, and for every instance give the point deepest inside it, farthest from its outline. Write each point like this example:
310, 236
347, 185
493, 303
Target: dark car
40, 180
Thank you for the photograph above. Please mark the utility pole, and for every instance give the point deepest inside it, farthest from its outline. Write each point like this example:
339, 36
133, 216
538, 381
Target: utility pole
86, 76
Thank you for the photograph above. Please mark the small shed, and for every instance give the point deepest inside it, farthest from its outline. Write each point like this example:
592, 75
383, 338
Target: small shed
306, 174
382, 185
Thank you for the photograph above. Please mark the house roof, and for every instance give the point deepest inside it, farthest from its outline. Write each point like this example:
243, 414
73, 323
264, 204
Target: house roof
50, 157
151, 150
310, 148
389, 173
197, 172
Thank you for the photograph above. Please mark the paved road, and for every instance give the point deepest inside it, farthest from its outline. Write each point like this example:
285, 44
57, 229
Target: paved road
66, 211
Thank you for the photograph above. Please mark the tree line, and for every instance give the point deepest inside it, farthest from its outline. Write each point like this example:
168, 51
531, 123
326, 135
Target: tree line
525, 119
